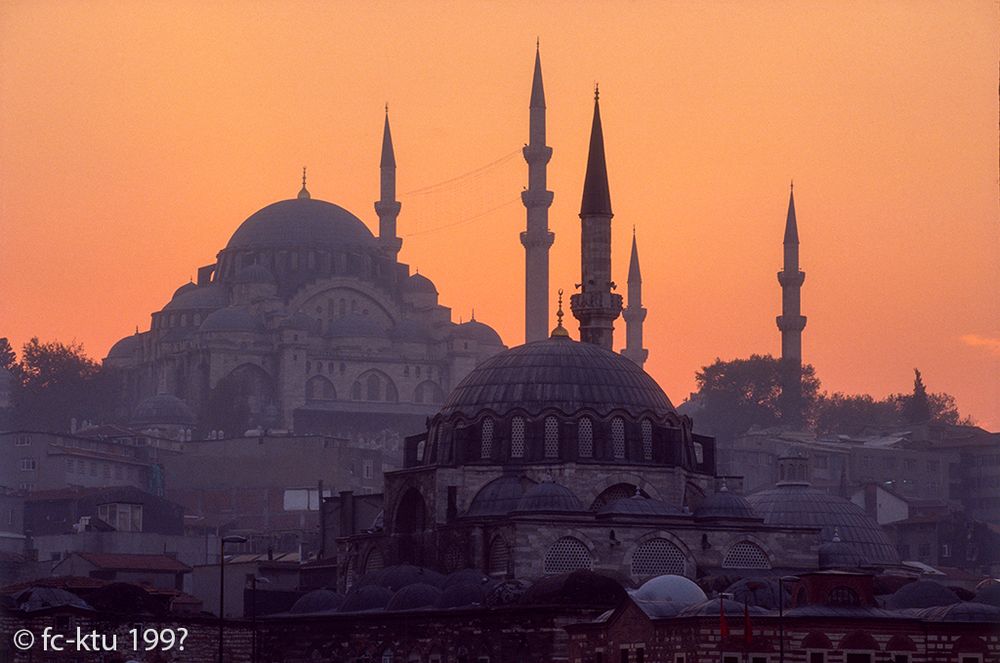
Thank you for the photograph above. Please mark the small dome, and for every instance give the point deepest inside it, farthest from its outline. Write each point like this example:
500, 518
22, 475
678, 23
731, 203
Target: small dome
762, 592
462, 595
637, 505
474, 330
836, 554
231, 319
725, 504
302, 223
398, 576
412, 331
921, 594
710, 607
499, 497
963, 612
797, 504
414, 597
126, 348
549, 497
368, 597
670, 589
163, 409
34, 599
318, 600
355, 326
201, 298
419, 283
576, 588
989, 595
254, 273
465, 577
187, 287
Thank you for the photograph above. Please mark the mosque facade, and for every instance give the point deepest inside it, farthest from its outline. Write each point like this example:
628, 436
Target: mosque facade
305, 321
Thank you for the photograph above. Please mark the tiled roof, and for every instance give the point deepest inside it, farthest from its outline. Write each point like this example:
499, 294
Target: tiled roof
134, 562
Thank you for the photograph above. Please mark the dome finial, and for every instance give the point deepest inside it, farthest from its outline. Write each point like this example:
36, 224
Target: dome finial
559, 331
836, 535
304, 193
473, 318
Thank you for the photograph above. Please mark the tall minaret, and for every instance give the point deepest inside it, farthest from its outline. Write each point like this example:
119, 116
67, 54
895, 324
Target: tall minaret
635, 313
536, 238
791, 322
387, 207
596, 306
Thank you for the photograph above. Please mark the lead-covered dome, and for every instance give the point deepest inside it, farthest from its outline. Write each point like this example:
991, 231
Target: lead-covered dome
163, 409
302, 222
561, 374
798, 504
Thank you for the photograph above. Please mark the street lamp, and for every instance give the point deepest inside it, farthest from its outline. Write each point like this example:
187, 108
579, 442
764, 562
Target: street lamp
781, 614
254, 579
222, 583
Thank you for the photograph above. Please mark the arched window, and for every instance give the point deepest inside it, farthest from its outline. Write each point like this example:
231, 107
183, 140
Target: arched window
486, 439
551, 437
585, 438
374, 388
746, 555
657, 557
619, 491
567, 554
319, 388
517, 437
498, 558
844, 596
356, 391
647, 439
618, 438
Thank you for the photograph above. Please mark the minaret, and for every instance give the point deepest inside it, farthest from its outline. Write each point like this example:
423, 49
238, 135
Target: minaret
635, 313
536, 238
791, 322
596, 306
387, 207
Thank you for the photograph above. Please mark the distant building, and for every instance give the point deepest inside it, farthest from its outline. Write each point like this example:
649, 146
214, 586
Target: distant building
152, 570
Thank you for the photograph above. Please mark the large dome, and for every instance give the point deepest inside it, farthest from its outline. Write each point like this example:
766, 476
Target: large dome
799, 504
302, 222
557, 373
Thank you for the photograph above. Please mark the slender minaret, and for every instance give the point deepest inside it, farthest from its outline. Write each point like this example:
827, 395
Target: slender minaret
791, 322
634, 314
387, 207
596, 306
536, 238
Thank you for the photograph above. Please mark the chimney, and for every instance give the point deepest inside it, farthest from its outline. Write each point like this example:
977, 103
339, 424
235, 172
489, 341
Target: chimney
346, 512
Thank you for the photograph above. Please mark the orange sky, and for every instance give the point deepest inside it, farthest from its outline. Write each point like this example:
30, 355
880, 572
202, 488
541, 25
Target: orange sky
135, 137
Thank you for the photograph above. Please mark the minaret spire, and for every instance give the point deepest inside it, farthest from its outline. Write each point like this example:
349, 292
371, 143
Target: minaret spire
596, 307
635, 314
303, 192
791, 322
536, 237
387, 207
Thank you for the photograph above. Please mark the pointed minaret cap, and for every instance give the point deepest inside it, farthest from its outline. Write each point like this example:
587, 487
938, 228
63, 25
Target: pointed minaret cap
537, 89
634, 276
304, 193
596, 195
791, 228
559, 331
388, 156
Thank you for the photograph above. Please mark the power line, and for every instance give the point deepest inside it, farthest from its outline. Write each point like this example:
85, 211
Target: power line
465, 220
432, 188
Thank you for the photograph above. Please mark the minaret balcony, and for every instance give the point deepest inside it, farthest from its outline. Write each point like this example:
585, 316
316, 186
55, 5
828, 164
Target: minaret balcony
536, 198
794, 279
387, 207
537, 154
791, 323
536, 239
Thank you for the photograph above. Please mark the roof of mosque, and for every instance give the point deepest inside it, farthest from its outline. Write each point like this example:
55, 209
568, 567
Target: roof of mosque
302, 222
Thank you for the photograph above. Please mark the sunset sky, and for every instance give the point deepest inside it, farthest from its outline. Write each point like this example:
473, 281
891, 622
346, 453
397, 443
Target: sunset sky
136, 136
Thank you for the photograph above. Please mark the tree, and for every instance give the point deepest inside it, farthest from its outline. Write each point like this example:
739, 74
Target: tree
916, 409
736, 395
8, 360
59, 383
851, 414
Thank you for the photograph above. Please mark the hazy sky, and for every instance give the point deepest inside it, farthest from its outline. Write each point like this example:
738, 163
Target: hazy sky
135, 137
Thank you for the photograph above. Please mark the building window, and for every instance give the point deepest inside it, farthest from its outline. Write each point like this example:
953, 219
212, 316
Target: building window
551, 437
585, 438
486, 439
22, 441
746, 555
517, 437
367, 469
28, 464
567, 554
123, 517
647, 439
498, 557
657, 557
618, 438
844, 596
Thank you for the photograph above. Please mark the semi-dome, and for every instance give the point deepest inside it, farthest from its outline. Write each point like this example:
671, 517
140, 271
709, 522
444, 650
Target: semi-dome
163, 409
670, 589
355, 326
126, 348
474, 330
724, 503
255, 273
557, 373
800, 505
498, 498
549, 497
419, 283
187, 287
414, 597
200, 298
231, 319
302, 222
